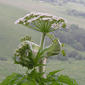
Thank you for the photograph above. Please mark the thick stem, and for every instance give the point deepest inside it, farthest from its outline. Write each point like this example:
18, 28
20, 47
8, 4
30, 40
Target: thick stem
44, 67
41, 47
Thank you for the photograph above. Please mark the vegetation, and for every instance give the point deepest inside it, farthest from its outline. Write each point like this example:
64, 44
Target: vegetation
10, 34
34, 57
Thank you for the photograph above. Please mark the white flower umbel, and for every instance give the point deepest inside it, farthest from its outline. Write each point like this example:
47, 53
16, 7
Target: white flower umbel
45, 19
33, 19
42, 22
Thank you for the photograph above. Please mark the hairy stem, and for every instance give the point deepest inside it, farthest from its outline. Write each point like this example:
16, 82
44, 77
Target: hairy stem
41, 47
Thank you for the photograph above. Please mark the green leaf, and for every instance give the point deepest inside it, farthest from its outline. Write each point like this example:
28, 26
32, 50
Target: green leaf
63, 53
64, 25
26, 38
53, 49
53, 73
25, 54
62, 44
11, 80
67, 80
29, 82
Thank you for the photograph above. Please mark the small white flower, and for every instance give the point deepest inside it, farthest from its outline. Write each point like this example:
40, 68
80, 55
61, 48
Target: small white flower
17, 21
54, 17
46, 19
54, 25
33, 19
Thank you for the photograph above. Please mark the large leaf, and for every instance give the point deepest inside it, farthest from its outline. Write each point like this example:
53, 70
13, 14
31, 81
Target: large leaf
53, 49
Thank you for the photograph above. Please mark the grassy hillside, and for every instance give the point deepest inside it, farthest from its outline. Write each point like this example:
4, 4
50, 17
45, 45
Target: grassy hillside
10, 33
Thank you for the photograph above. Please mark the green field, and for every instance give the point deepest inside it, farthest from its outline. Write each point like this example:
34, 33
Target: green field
10, 34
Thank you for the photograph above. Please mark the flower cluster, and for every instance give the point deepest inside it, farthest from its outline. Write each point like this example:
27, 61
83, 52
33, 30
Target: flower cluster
25, 54
42, 22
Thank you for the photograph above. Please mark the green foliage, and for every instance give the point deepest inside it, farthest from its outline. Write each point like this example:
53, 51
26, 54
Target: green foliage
11, 80
53, 49
18, 79
26, 38
36, 78
32, 56
25, 55
53, 73
67, 80
63, 52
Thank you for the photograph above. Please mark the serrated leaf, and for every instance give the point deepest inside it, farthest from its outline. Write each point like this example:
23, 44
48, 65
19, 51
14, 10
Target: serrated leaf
53, 73
11, 80
53, 49
67, 80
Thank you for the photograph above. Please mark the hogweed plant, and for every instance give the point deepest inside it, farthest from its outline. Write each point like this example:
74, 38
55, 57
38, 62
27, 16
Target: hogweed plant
34, 57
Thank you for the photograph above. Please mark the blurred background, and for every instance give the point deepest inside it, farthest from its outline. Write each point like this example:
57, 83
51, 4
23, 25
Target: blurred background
73, 11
